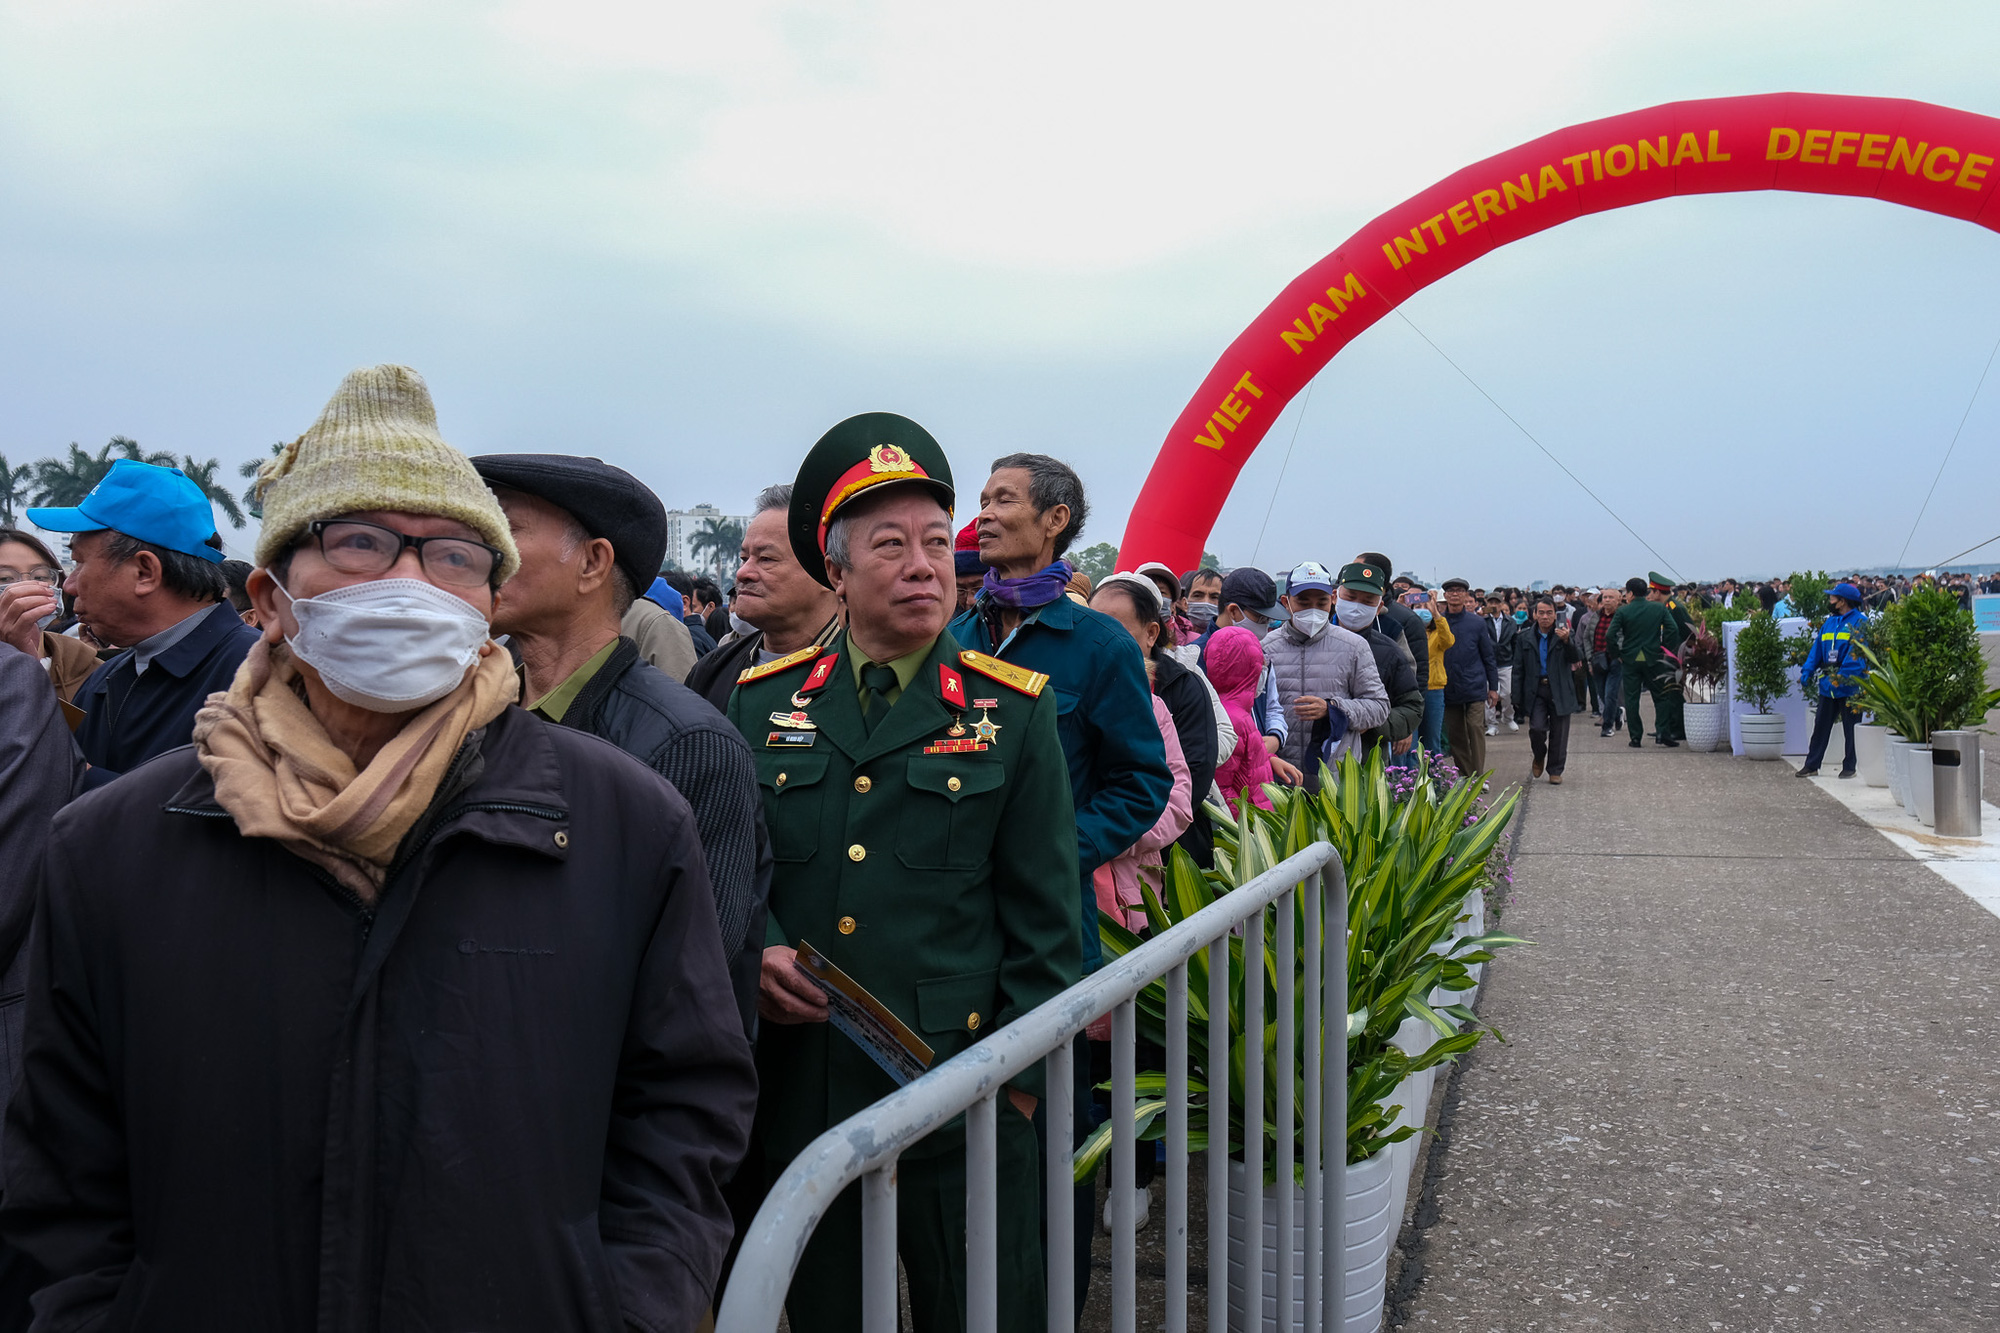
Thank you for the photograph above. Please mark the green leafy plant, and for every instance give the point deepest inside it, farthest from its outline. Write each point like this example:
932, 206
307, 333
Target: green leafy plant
1760, 663
1807, 589
1931, 676
1410, 865
1706, 663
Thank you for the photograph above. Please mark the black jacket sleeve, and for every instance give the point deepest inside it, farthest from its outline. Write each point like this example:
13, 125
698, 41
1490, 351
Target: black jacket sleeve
680, 1117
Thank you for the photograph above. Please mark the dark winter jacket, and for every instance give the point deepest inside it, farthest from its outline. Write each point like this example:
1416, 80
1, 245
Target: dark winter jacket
1470, 665
1402, 625
504, 1098
1187, 698
1563, 654
1406, 692
673, 731
129, 718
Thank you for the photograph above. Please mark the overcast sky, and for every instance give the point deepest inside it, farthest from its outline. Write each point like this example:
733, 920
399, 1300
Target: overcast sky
689, 237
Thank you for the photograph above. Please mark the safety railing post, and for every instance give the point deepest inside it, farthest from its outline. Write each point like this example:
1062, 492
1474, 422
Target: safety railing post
1177, 1149
982, 1217
1309, 1010
1283, 1113
1124, 1184
1333, 1104
1253, 1121
878, 1250
1059, 1188
1218, 1134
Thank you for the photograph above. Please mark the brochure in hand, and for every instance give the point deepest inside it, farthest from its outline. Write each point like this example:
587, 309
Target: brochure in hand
865, 1020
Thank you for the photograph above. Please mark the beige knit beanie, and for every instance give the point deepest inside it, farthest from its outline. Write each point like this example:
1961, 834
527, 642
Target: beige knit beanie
376, 446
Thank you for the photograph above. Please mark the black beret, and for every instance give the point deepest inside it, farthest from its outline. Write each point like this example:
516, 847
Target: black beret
606, 501
858, 455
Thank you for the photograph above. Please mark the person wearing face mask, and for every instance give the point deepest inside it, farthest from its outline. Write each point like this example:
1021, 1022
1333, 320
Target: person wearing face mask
1505, 628
1325, 675
1359, 603
1248, 599
147, 578
1398, 623
408, 1007
1438, 638
30, 602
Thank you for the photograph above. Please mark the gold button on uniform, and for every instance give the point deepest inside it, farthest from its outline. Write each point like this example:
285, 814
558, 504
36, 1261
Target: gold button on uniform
781, 779
847, 925
857, 852
862, 784
952, 784
972, 1023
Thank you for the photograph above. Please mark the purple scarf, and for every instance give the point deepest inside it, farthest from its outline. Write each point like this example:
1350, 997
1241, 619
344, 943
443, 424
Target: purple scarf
1028, 593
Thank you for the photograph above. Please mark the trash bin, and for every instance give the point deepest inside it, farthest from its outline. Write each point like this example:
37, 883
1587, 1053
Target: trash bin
1955, 782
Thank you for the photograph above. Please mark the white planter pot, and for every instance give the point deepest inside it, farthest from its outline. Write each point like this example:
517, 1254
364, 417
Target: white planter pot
1871, 744
1763, 735
1893, 750
1916, 773
1704, 723
1371, 1230
1923, 793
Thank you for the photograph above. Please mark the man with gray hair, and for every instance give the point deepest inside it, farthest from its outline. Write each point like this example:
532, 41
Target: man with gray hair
588, 533
788, 607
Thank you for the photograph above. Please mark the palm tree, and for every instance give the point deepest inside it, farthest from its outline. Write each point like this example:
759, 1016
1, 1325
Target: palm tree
63, 482
250, 470
203, 475
14, 487
720, 538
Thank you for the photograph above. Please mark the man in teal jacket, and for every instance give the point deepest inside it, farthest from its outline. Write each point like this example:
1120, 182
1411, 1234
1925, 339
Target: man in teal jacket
1836, 659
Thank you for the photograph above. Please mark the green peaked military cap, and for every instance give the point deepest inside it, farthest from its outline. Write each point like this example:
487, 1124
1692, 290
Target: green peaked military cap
856, 457
1658, 580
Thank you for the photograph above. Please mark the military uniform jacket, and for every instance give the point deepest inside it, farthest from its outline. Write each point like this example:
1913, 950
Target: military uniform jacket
940, 876
1640, 629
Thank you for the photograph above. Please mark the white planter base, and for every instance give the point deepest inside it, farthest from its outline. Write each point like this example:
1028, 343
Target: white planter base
1704, 723
1763, 735
1871, 754
1371, 1230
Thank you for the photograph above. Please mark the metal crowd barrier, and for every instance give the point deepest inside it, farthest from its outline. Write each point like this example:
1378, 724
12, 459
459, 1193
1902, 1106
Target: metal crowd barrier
866, 1146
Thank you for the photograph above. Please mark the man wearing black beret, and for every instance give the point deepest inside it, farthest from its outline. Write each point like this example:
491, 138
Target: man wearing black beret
591, 536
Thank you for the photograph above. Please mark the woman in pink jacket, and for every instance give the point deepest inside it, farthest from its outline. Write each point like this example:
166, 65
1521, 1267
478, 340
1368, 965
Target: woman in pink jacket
1235, 669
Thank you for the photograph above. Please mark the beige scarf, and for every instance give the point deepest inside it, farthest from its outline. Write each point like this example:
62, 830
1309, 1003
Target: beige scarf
279, 774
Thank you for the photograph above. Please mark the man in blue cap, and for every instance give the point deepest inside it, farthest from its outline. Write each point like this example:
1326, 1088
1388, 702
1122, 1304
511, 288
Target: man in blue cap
1836, 659
148, 578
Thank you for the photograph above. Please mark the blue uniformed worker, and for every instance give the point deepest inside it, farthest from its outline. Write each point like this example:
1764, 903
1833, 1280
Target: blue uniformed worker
924, 838
1836, 660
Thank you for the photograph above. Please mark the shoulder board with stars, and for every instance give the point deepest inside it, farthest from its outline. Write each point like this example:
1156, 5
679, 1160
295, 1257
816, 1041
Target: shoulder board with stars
1013, 677
785, 663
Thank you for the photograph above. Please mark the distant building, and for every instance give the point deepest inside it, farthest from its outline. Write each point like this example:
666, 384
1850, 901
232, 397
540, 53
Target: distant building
687, 547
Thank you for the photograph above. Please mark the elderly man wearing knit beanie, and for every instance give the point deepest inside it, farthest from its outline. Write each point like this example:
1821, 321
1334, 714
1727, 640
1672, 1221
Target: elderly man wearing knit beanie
388, 1004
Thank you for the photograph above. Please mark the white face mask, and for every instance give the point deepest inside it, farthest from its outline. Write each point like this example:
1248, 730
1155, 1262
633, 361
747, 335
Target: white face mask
389, 646
1356, 616
740, 625
1558, 599
1310, 623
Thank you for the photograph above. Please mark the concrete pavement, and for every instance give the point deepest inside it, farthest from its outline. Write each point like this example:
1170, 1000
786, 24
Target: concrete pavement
1752, 1079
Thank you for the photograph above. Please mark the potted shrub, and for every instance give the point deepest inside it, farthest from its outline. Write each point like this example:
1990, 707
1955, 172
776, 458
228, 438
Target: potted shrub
1412, 860
1761, 681
1706, 666
1929, 676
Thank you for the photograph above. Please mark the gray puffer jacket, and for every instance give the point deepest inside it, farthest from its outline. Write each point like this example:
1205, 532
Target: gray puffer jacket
1337, 666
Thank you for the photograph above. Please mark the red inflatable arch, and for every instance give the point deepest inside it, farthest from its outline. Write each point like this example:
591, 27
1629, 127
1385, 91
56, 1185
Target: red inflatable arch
1910, 153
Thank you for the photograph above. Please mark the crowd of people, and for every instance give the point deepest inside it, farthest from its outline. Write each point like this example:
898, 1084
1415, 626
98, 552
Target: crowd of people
428, 923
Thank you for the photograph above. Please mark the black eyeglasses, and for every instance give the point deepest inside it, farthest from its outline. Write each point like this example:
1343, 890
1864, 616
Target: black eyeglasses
369, 548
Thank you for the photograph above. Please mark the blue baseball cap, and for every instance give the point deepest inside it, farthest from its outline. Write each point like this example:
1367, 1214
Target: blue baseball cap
155, 504
1847, 592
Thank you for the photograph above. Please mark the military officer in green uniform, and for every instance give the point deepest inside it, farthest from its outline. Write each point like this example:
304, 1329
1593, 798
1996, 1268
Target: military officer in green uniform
1645, 633
920, 816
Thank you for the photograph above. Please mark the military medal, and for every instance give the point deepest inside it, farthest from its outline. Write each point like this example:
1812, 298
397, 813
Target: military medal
794, 721
986, 729
957, 727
